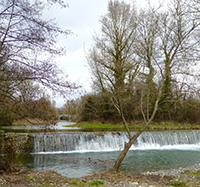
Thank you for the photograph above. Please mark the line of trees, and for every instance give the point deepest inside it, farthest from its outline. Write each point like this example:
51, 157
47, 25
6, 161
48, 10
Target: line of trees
140, 54
144, 66
31, 103
96, 107
28, 71
28, 47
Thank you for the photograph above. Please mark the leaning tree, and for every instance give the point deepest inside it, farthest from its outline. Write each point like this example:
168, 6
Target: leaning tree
149, 48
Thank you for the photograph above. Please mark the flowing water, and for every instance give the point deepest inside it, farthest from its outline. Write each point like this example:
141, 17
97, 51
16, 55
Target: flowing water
99, 142
79, 154
24, 128
82, 153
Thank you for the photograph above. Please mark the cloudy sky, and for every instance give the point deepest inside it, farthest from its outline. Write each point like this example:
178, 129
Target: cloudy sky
82, 18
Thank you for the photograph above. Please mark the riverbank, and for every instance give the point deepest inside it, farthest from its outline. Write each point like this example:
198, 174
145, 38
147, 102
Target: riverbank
183, 177
52, 179
187, 176
33, 121
134, 126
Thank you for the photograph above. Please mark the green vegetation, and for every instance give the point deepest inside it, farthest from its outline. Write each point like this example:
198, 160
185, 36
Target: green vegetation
187, 171
80, 183
96, 183
1, 131
47, 185
76, 182
87, 125
37, 181
138, 125
178, 183
35, 121
196, 173
30, 178
192, 172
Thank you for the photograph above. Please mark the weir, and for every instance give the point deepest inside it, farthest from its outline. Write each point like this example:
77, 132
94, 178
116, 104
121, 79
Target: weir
95, 142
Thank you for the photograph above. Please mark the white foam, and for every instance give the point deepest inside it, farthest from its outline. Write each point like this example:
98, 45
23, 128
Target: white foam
90, 142
146, 147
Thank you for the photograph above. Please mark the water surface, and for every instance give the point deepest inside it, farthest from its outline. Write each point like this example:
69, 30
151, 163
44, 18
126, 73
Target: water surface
59, 126
80, 154
76, 154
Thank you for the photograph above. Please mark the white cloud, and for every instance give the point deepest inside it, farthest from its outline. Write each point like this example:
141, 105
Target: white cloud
82, 18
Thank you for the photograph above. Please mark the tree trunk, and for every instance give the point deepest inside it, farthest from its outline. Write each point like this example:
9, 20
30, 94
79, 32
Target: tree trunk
133, 138
122, 156
127, 146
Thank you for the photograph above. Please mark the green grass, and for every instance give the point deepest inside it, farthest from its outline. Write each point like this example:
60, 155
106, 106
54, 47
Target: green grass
47, 185
138, 125
87, 125
187, 171
76, 182
30, 178
178, 183
196, 173
192, 172
1, 131
96, 183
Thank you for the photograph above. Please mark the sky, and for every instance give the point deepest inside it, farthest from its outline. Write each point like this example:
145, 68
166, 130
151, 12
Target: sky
82, 18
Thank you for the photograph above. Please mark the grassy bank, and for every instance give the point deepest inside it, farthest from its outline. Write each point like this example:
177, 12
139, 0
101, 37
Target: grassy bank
139, 125
33, 121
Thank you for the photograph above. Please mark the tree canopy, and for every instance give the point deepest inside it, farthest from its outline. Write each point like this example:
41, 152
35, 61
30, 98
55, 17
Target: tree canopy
28, 47
144, 59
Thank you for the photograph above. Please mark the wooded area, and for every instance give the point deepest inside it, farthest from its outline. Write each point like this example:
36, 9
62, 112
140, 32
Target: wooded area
145, 66
144, 60
28, 47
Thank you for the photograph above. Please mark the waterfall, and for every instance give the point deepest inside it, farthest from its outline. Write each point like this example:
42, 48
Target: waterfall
94, 142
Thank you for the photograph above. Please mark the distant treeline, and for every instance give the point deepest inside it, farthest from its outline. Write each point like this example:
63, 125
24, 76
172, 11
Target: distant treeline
31, 103
144, 65
97, 107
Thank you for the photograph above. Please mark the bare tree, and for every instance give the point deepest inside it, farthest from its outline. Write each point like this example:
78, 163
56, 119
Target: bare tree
112, 60
153, 45
28, 48
28, 45
178, 48
147, 50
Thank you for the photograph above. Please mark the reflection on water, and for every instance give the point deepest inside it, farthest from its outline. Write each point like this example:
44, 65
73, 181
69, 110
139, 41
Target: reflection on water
149, 160
59, 126
68, 165
79, 154
82, 164
82, 154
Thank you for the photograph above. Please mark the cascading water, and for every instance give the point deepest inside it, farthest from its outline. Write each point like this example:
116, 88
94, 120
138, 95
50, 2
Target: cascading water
94, 142
79, 154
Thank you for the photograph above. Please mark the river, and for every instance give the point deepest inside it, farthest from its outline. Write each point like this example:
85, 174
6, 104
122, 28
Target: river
76, 154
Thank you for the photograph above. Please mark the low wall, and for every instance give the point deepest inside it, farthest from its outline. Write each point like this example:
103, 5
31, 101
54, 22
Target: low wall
15, 143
